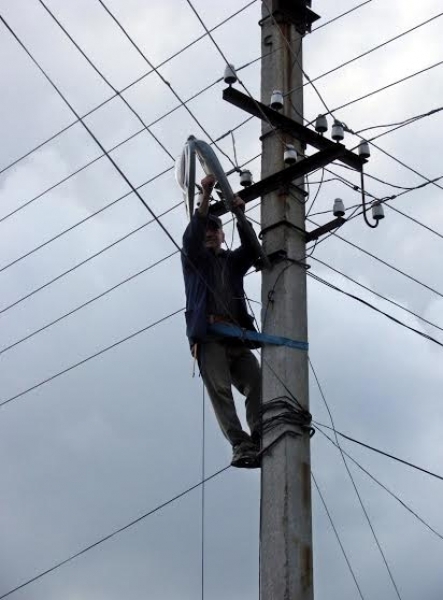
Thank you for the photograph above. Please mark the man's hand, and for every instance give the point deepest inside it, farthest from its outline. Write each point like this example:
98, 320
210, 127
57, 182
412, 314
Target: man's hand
238, 203
207, 184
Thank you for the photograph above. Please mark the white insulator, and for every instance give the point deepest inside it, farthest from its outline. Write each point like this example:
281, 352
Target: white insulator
277, 100
363, 149
290, 155
378, 212
338, 132
230, 75
339, 208
321, 124
245, 178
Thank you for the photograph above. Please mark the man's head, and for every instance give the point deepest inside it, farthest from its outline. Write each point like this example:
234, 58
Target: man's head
214, 236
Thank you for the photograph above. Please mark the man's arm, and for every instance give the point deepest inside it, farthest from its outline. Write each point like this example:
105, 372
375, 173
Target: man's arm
244, 256
194, 236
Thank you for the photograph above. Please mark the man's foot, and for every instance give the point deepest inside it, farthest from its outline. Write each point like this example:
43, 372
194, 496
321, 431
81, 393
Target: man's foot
244, 456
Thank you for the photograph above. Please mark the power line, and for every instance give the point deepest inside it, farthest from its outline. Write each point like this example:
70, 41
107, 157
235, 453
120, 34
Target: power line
389, 85
167, 83
354, 485
87, 303
99, 296
337, 536
371, 306
183, 49
354, 8
383, 486
382, 452
100, 74
368, 289
83, 262
113, 534
96, 254
387, 264
375, 48
90, 357
139, 79
84, 220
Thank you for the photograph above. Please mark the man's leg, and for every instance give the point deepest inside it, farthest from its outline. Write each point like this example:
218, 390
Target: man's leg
214, 368
246, 377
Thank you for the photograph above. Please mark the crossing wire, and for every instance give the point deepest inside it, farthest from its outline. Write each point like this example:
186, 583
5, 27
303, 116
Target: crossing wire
95, 298
374, 308
348, 12
383, 453
353, 186
383, 486
357, 492
334, 528
375, 293
373, 49
98, 253
91, 357
218, 139
138, 80
113, 534
56, 88
167, 60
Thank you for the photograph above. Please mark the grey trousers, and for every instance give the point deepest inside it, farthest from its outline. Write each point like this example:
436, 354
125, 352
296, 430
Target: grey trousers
223, 364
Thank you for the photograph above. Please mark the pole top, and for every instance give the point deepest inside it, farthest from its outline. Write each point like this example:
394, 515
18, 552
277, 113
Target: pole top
297, 12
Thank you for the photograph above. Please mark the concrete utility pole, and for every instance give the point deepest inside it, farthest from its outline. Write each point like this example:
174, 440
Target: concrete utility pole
286, 520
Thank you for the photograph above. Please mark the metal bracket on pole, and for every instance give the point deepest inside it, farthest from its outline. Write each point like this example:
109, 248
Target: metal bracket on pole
297, 12
326, 228
284, 177
296, 130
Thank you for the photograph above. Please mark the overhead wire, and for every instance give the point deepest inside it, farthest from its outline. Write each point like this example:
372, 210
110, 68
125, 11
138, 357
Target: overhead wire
373, 49
340, 16
162, 78
374, 308
334, 528
384, 487
129, 138
375, 293
113, 534
357, 492
96, 254
384, 453
90, 357
164, 62
95, 298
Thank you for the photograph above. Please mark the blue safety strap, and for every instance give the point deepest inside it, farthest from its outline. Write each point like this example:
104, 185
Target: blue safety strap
234, 331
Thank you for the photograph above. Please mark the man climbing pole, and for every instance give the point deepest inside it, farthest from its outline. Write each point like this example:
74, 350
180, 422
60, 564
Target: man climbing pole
215, 295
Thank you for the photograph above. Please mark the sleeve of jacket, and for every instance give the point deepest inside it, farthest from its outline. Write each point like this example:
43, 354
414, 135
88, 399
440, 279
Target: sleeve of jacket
194, 238
244, 256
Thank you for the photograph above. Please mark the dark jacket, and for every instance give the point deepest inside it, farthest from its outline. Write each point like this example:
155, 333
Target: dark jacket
197, 273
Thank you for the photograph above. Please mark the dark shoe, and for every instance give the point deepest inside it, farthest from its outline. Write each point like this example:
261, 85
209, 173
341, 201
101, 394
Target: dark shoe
244, 456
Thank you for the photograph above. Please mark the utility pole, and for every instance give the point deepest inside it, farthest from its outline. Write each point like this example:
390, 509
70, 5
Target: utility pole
286, 513
286, 571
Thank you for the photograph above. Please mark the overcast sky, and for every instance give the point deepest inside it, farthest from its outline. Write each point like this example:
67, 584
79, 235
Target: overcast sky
108, 441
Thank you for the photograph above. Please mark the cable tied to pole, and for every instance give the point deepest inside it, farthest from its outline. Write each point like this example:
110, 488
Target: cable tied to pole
289, 415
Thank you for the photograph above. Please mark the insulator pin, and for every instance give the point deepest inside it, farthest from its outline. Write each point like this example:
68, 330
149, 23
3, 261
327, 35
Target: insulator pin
321, 124
230, 75
338, 132
277, 100
246, 178
290, 155
378, 212
339, 208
